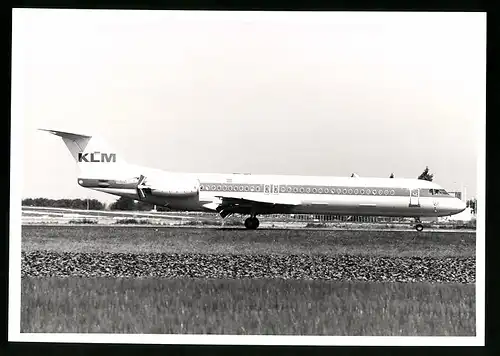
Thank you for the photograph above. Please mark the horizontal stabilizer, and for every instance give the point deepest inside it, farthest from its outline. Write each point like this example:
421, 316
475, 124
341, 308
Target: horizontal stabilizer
76, 143
69, 135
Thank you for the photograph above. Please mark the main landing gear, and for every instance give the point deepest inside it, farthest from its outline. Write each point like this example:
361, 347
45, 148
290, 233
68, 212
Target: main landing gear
418, 225
252, 223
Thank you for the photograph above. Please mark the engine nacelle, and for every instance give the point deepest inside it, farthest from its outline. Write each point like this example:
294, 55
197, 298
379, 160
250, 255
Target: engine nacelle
175, 188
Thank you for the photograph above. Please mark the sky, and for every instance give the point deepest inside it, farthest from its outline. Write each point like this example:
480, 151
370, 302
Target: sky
268, 93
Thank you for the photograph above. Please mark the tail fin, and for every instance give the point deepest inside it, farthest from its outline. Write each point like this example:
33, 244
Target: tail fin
94, 157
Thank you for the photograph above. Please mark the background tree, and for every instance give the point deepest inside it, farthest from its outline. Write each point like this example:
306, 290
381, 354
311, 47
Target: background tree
392, 175
28, 202
123, 203
143, 206
426, 175
93, 204
472, 203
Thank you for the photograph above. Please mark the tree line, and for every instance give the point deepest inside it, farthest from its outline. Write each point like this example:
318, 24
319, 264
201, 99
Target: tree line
91, 204
124, 203
425, 175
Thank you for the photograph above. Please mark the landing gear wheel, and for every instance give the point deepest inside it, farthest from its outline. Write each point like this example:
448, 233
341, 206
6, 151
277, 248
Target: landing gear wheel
252, 223
419, 227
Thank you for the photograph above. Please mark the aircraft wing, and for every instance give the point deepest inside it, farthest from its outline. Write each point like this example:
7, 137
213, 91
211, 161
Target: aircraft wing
227, 205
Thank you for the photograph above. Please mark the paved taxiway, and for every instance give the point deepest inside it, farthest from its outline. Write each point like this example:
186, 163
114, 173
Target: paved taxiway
263, 228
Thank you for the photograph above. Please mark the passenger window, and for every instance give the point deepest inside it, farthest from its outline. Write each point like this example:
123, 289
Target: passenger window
314, 190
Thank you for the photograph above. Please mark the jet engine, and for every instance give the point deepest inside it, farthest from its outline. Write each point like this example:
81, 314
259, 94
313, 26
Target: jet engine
170, 187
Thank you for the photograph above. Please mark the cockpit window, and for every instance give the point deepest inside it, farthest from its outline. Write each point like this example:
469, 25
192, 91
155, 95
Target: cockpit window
438, 192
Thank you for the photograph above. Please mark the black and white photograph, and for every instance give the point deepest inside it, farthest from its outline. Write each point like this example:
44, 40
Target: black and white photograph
247, 177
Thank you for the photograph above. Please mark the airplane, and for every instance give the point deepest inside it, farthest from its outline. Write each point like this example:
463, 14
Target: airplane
104, 170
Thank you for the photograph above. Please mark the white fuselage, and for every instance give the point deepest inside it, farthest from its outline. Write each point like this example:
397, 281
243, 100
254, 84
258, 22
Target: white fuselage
283, 193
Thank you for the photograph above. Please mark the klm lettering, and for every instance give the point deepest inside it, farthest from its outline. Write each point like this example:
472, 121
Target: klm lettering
96, 157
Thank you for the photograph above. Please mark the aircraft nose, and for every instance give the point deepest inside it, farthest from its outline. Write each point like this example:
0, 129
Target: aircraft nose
460, 206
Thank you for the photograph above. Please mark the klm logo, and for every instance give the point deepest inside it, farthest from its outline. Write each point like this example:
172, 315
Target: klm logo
97, 157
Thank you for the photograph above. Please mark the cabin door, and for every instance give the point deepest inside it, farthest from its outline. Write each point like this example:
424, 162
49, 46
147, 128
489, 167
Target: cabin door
271, 188
415, 197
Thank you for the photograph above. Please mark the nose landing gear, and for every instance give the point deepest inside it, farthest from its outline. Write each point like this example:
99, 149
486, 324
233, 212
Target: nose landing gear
418, 225
252, 223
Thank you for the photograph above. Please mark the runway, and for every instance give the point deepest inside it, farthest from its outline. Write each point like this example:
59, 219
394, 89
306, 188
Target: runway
36, 216
263, 227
